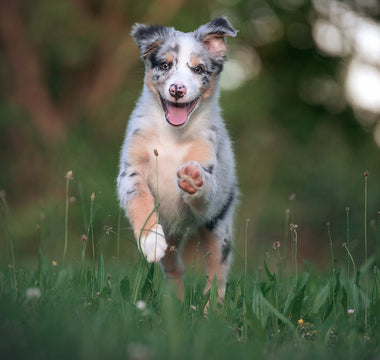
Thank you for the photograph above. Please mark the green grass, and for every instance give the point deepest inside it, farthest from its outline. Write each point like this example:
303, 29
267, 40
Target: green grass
103, 308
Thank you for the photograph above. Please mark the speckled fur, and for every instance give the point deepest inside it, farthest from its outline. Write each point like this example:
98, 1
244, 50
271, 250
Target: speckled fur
159, 162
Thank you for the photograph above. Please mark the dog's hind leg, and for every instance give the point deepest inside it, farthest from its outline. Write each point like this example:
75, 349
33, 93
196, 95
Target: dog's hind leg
217, 256
173, 268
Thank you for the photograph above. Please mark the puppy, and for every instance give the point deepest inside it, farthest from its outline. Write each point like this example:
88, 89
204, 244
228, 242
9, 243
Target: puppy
177, 172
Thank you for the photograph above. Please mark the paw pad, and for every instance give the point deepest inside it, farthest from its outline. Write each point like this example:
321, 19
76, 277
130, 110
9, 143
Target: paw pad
190, 177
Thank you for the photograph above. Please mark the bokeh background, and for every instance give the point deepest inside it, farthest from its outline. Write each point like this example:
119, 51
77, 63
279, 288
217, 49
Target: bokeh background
300, 95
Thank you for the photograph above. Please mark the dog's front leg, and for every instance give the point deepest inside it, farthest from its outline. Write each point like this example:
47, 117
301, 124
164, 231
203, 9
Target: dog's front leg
196, 178
197, 185
140, 209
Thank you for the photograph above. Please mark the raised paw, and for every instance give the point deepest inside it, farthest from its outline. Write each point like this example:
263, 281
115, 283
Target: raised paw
190, 178
154, 244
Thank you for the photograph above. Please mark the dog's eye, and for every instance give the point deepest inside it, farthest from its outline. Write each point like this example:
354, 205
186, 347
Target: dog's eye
199, 69
165, 66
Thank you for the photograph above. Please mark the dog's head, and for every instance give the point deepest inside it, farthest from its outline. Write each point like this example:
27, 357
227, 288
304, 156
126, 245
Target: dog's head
182, 69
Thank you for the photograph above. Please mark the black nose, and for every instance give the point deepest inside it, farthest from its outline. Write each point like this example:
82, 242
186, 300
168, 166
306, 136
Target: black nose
177, 91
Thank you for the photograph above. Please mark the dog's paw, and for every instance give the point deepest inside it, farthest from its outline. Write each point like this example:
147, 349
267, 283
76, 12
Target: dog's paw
190, 178
154, 244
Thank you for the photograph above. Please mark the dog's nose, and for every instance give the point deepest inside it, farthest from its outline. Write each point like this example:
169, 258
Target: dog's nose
177, 90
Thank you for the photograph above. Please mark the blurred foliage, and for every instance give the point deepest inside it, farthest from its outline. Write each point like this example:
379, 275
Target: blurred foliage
286, 141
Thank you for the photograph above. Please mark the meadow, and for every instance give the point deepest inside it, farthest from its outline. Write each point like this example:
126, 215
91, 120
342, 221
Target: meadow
97, 306
72, 282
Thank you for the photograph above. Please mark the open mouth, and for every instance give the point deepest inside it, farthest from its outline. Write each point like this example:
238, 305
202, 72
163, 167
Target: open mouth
176, 114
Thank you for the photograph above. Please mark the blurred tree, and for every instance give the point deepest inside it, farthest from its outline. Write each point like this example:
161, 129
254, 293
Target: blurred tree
26, 77
96, 74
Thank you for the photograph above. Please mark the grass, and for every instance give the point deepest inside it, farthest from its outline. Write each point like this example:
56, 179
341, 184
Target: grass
100, 309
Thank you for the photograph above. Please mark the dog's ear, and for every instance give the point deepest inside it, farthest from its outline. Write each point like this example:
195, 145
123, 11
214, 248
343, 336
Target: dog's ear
149, 37
213, 36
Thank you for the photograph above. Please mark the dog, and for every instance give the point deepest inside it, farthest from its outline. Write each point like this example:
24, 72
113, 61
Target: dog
177, 178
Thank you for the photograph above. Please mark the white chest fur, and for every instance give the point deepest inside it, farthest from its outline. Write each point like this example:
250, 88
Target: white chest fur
161, 175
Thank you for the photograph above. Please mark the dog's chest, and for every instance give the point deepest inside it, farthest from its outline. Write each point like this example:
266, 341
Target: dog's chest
167, 156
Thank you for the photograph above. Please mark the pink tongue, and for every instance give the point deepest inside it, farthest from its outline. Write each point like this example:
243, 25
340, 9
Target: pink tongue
176, 115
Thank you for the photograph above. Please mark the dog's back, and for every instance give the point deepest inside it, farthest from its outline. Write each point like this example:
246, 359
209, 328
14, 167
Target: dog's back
177, 173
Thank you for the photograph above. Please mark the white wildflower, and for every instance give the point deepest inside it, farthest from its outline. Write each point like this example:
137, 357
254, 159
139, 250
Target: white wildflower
141, 305
33, 293
138, 351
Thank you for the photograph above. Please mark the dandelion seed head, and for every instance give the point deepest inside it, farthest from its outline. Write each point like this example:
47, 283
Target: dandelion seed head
69, 175
293, 227
141, 305
366, 173
108, 229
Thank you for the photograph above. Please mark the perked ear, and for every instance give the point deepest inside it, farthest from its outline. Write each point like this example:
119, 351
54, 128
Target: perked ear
149, 37
213, 36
